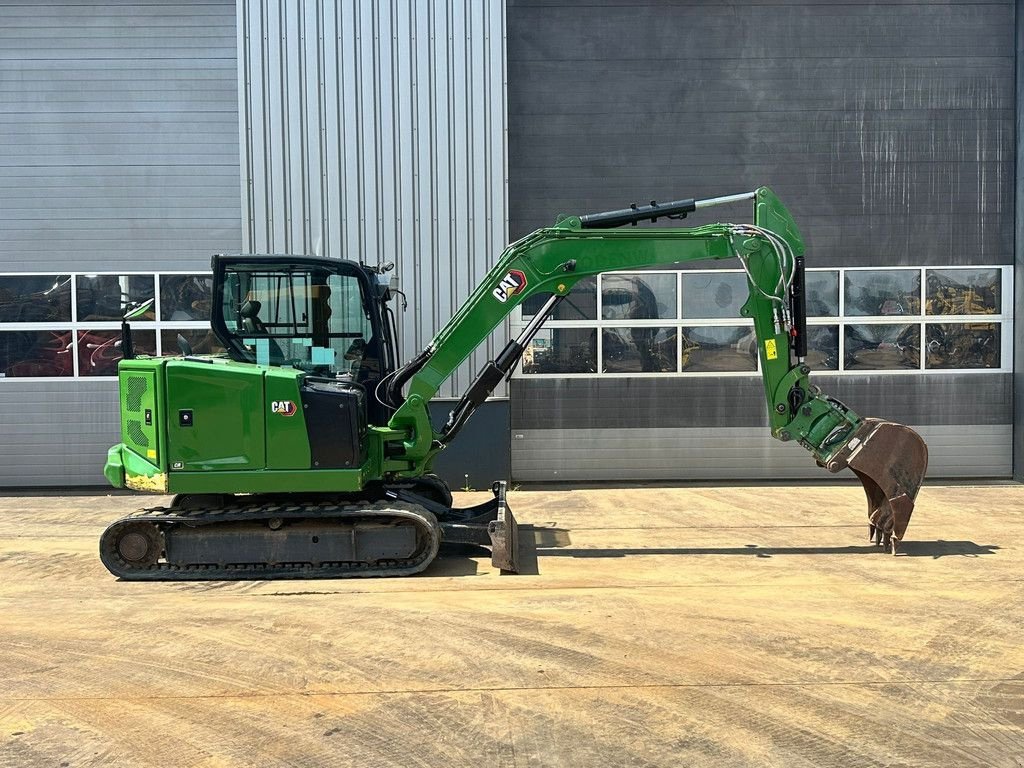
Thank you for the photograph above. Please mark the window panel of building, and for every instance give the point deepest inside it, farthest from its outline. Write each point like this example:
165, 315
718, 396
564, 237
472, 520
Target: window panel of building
201, 341
30, 353
963, 291
642, 349
823, 347
101, 298
880, 347
719, 348
580, 304
99, 351
713, 294
185, 297
41, 332
68, 326
638, 297
882, 292
822, 292
35, 299
962, 345
869, 340
562, 350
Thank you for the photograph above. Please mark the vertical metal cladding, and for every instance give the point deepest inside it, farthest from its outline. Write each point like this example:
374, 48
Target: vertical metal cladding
375, 131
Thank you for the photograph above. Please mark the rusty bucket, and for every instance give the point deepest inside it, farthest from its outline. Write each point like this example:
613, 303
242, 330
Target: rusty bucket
890, 459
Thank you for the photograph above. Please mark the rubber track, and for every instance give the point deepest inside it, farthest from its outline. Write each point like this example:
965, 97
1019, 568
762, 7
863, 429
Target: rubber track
164, 516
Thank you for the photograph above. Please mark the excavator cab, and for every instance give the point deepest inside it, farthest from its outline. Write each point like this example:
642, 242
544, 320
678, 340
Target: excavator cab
329, 318
321, 316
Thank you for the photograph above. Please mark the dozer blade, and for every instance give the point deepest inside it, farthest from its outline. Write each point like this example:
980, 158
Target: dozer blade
504, 533
890, 459
488, 524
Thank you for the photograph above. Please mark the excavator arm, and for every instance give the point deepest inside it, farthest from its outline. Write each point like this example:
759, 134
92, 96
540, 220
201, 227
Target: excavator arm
890, 459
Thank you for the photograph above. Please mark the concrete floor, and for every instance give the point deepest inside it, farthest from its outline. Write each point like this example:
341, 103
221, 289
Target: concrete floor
669, 627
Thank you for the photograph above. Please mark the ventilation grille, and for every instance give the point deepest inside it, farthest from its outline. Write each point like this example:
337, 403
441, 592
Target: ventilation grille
135, 433
134, 389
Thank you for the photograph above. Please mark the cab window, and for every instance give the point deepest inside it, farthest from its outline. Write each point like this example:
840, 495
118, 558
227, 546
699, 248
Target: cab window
310, 318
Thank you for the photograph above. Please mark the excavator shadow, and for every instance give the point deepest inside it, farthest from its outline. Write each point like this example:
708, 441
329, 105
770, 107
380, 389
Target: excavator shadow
458, 559
932, 549
540, 542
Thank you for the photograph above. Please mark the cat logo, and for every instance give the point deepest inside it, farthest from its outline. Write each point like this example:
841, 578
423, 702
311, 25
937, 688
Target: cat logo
511, 284
283, 407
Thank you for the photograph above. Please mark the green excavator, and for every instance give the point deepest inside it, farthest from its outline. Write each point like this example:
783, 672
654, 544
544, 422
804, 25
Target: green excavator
305, 449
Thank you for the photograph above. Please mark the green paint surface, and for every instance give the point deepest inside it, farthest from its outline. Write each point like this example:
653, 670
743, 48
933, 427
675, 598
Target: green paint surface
287, 441
227, 406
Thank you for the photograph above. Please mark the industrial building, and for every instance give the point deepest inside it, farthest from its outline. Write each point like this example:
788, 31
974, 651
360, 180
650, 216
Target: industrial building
140, 138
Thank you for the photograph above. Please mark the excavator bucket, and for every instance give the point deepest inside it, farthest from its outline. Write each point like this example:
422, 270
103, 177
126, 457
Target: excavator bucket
890, 459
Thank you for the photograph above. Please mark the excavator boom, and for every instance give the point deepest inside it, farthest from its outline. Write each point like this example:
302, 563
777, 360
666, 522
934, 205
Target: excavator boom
889, 458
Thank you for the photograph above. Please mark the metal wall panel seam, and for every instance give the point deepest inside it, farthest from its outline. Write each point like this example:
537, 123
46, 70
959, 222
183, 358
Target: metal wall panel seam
1017, 441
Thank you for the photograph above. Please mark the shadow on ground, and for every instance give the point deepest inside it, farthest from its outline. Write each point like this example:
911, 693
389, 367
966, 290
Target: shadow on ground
933, 549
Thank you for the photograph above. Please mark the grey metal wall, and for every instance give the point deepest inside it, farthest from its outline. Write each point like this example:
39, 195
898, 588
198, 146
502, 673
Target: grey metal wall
887, 128
698, 429
118, 149
1018, 347
375, 131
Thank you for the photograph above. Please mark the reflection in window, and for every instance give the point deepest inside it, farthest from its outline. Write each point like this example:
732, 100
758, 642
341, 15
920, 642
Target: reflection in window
638, 297
962, 292
638, 350
883, 292
822, 294
36, 353
580, 304
105, 297
713, 295
562, 350
35, 299
882, 347
962, 345
100, 351
823, 347
201, 340
185, 297
719, 348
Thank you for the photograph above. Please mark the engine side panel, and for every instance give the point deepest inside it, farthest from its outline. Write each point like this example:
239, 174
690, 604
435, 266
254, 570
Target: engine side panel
215, 416
287, 439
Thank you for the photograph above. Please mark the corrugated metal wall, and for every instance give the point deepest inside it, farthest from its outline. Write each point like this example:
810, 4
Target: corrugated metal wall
119, 135
118, 150
375, 131
698, 429
1018, 347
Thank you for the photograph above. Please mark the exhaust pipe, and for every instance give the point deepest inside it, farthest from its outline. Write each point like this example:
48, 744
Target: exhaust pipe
891, 460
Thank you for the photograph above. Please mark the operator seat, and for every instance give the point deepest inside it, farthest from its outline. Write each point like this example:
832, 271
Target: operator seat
249, 312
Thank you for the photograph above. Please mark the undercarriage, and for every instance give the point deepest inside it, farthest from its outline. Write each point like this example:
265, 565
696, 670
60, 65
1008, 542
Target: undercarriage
397, 532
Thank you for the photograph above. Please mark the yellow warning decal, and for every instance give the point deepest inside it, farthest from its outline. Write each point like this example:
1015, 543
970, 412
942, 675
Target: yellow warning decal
770, 350
151, 453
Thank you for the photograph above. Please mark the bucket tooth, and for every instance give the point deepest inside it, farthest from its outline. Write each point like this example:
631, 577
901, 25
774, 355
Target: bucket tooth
890, 459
